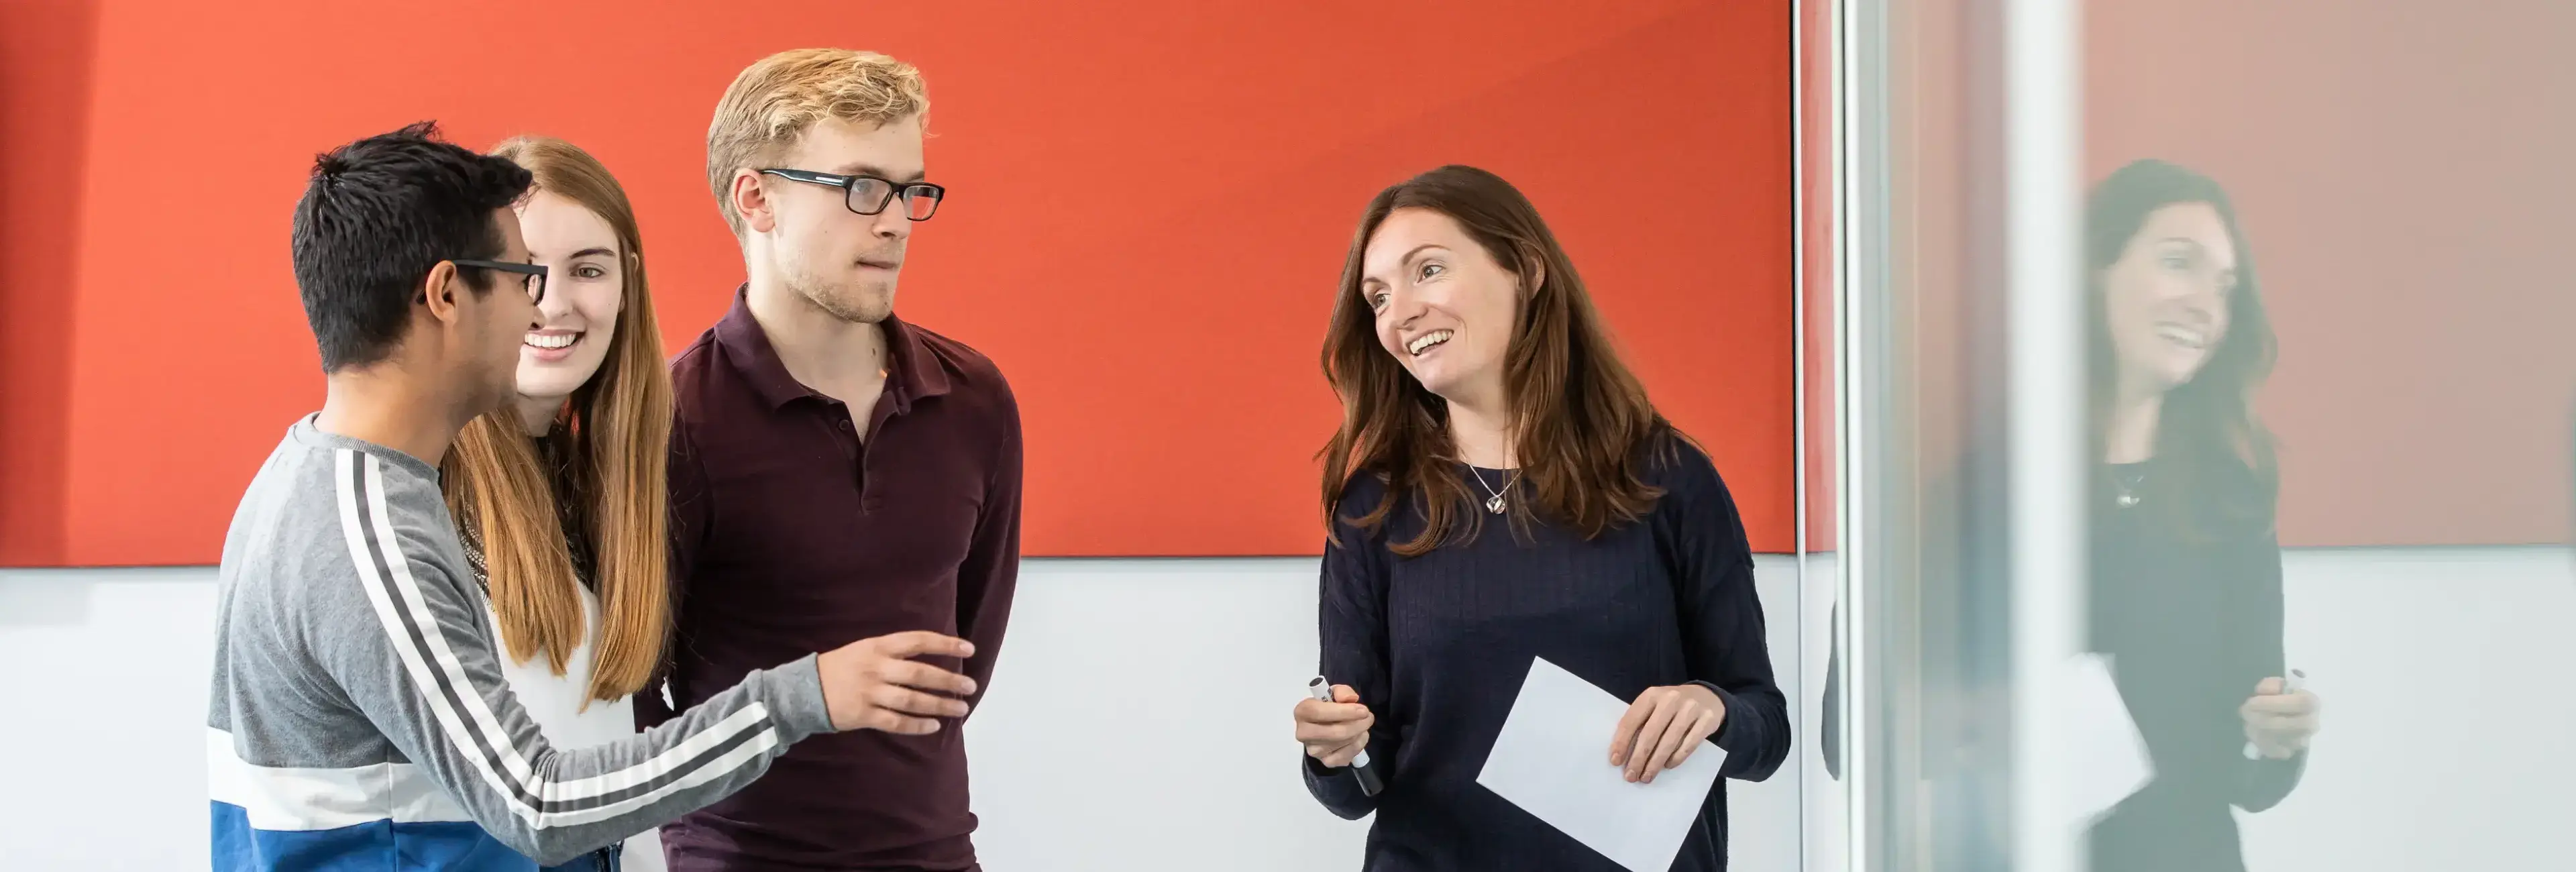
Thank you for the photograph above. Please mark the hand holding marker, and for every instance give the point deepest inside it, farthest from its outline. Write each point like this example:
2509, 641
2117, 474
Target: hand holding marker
2295, 682
1360, 768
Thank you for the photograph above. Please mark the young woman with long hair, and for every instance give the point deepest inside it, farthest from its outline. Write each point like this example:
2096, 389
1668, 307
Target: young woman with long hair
560, 497
1479, 384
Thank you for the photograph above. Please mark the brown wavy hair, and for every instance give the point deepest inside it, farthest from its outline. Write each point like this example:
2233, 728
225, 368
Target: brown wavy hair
614, 435
2220, 455
1579, 421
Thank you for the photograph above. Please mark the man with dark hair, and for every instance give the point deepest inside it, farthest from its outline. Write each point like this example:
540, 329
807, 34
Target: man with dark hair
359, 718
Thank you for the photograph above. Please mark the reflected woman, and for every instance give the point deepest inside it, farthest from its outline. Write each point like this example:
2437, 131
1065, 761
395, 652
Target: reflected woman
560, 497
1501, 490
2186, 591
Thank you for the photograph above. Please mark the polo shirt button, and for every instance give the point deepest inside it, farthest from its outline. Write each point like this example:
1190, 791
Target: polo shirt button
843, 423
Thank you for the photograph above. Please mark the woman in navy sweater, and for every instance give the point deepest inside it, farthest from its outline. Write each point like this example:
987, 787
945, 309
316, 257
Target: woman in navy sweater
1478, 384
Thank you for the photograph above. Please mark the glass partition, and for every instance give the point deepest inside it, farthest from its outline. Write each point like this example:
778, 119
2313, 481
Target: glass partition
2199, 408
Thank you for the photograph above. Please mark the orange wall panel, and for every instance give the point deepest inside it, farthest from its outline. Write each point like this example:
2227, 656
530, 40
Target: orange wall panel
44, 71
1149, 212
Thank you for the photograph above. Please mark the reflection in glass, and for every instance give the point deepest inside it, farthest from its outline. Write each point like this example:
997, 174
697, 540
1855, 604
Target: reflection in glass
2186, 569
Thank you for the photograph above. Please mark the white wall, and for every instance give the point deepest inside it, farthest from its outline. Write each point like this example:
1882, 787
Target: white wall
1138, 721
2444, 673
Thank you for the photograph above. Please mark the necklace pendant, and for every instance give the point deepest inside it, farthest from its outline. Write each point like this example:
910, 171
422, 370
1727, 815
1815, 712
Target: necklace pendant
1495, 505
2128, 500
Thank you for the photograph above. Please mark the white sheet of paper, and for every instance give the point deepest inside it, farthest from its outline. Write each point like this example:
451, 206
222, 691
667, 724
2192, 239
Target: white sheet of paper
2111, 760
1553, 760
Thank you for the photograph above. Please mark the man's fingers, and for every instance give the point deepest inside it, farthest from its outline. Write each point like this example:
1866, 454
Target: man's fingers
908, 701
2268, 687
893, 722
911, 673
914, 643
1344, 693
1623, 738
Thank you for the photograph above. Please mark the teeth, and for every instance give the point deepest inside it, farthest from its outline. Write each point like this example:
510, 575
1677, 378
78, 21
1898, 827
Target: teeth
1425, 341
2184, 336
552, 340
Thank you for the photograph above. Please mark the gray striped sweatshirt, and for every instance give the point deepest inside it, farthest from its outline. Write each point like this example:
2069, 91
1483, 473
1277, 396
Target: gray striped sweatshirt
359, 718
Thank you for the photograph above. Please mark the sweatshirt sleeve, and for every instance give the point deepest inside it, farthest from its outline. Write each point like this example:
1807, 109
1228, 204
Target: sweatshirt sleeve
405, 640
2258, 650
1724, 640
1351, 618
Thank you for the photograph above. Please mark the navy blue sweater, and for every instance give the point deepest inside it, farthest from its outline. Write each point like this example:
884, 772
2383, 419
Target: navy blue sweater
1437, 647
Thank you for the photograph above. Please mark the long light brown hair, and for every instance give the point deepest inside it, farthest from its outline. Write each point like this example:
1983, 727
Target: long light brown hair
1579, 421
614, 436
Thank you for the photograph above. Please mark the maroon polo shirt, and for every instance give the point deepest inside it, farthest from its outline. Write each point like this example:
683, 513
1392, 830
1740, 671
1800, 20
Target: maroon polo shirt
791, 535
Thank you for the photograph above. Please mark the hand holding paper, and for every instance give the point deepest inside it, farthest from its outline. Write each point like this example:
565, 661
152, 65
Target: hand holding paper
1663, 727
1548, 761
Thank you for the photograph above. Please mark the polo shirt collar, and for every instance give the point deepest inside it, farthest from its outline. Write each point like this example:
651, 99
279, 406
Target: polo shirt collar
913, 370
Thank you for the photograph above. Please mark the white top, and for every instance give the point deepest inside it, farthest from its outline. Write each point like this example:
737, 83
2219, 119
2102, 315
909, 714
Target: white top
555, 703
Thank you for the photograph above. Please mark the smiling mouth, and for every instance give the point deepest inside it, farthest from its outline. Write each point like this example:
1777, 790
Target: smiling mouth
2188, 337
551, 341
1428, 341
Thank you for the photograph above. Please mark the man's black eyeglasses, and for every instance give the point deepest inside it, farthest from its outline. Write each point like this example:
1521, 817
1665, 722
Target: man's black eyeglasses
868, 195
534, 273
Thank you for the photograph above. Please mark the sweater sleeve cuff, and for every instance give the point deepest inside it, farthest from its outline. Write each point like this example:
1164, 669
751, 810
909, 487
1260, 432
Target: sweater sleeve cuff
796, 699
1725, 728
1335, 788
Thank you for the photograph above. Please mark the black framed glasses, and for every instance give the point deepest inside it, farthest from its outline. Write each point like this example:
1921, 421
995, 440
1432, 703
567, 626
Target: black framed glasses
535, 274
868, 195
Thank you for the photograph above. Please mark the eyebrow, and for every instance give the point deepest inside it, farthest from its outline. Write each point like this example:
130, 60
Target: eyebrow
1368, 281
2195, 244
1417, 251
863, 168
592, 252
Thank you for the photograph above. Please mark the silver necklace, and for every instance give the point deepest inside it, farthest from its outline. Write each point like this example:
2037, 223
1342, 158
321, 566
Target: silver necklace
2127, 485
1495, 505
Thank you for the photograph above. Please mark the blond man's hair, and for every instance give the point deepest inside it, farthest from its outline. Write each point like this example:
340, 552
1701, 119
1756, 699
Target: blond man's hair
777, 99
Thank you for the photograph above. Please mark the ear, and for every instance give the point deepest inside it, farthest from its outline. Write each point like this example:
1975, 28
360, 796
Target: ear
750, 198
440, 289
1533, 272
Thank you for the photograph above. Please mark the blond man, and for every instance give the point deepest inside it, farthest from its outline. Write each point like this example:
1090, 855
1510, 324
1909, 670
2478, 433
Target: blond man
836, 472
